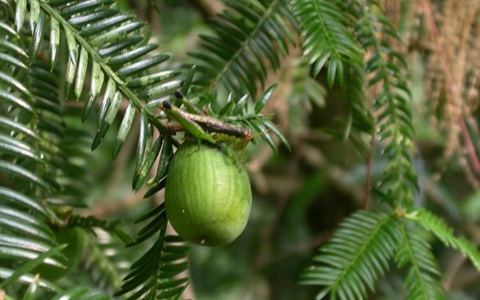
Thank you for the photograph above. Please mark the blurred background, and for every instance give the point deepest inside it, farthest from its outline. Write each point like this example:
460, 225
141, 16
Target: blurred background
301, 196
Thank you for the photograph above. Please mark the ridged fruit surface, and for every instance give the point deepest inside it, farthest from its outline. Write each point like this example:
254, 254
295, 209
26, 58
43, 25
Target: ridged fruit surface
208, 197
76, 241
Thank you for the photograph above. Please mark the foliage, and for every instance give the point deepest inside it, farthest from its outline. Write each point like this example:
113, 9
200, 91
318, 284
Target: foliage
423, 276
326, 38
363, 238
247, 37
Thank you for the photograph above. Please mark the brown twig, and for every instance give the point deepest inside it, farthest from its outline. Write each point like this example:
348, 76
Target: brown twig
470, 147
107, 208
448, 78
314, 242
368, 177
209, 123
456, 264
338, 177
208, 8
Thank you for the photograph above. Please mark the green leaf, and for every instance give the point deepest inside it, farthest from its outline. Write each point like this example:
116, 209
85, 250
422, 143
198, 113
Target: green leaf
15, 101
13, 48
151, 79
32, 290
158, 187
28, 279
34, 14
23, 173
14, 83
23, 243
20, 11
18, 148
30, 265
72, 294
160, 89
7, 59
96, 84
264, 98
72, 59
113, 108
125, 127
81, 72
17, 127
142, 65
54, 42
188, 80
107, 98
115, 34
83, 6
240, 106
142, 143
165, 157
103, 25
38, 36
261, 130
21, 199
273, 128
7, 29
147, 164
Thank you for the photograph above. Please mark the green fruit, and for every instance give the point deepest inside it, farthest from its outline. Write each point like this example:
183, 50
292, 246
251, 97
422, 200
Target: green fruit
76, 240
208, 196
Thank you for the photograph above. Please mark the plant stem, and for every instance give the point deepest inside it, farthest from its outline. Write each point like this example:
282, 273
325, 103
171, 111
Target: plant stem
211, 124
366, 199
470, 147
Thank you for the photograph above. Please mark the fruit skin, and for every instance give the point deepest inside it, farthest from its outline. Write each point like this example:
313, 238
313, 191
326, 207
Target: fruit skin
76, 239
208, 197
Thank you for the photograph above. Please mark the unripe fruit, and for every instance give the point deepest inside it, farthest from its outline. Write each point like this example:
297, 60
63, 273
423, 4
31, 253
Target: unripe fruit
208, 196
76, 240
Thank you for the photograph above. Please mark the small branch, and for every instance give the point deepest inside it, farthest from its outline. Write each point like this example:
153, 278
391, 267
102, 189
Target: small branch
208, 8
368, 178
470, 147
455, 264
338, 177
314, 242
208, 123
106, 208
172, 127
